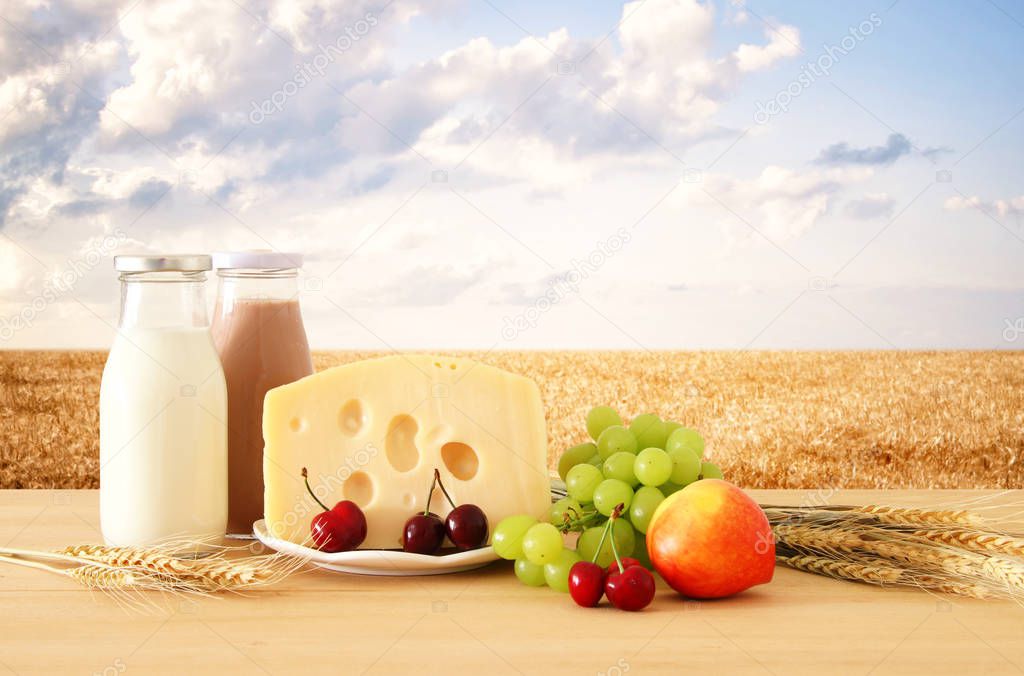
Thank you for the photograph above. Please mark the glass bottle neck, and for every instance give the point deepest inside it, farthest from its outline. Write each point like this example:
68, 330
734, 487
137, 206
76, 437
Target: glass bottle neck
163, 300
251, 284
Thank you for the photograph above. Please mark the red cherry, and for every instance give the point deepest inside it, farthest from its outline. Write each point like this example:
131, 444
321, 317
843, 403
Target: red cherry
339, 529
627, 562
466, 526
423, 534
632, 589
586, 583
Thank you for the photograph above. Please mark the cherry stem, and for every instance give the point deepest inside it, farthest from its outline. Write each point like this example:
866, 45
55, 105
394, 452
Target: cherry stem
604, 536
615, 550
579, 522
305, 477
437, 478
430, 495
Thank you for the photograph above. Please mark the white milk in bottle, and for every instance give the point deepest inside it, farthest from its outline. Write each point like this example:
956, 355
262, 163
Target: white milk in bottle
163, 409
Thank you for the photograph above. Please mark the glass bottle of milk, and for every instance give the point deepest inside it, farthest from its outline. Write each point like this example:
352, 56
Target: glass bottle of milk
163, 409
258, 331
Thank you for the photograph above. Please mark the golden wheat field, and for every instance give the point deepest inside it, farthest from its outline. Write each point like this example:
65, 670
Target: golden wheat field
771, 419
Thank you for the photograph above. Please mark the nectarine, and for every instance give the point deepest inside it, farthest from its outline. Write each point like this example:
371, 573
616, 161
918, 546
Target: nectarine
711, 540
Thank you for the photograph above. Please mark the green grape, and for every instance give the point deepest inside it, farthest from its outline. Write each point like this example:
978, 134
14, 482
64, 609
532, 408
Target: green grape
670, 427
625, 543
612, 492
668, 488
581, 481
561, 509
615, 439
577, 455
685, 466
652, 467
649, 431
684, 437
625, 537
709, 470
542, 543
620, 466
640, 553
508, 536
645, 501
529, 573
596, 460
586, 546
601, 418
556, 573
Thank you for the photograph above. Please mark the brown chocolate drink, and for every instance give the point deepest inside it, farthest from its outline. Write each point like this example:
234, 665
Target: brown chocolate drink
258, 332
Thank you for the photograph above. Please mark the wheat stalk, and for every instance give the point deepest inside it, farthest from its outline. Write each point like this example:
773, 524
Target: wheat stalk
978, 541
843, 570
904, 516
138, 557
217, 572
817, 538
155, 568
102, 577
939, 550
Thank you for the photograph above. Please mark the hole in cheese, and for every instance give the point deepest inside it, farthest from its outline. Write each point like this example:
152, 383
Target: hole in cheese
400, 444
358, 488
297, 424
352, 417
460, 459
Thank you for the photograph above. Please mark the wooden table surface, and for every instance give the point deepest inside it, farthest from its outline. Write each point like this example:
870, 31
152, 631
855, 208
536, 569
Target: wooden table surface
485, 621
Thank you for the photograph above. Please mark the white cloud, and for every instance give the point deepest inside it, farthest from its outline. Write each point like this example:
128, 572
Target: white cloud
555, 160
999, 207
871, 205
663, 84
784, 42
781, 203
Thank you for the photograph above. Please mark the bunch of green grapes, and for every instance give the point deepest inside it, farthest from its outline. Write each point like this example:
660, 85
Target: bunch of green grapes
636, 466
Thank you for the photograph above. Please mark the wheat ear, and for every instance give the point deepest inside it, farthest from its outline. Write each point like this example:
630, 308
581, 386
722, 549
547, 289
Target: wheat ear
816, 538
215, 573
843, 570
128, 556
978, 541
904, 516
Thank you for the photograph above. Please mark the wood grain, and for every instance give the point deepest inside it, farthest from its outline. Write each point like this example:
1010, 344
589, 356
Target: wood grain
486, 622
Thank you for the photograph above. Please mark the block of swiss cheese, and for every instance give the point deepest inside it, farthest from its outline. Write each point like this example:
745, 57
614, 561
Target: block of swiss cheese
373, 431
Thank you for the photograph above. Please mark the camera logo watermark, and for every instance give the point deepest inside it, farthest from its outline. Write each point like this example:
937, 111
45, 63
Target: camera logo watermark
561, 286
113, 669
620, 667
812, 71
1013, 330
308, 71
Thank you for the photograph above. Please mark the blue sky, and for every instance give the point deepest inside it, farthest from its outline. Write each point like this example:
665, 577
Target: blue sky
456, 164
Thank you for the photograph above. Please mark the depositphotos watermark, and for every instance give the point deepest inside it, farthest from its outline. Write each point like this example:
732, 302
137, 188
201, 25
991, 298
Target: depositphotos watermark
564, 284
811, 71
308, 71
61, 283
326, 485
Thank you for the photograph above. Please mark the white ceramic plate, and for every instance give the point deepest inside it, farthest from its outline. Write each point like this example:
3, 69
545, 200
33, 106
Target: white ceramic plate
380, 561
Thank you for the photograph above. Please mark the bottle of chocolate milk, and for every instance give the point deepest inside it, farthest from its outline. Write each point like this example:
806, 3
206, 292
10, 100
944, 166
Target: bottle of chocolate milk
257, 329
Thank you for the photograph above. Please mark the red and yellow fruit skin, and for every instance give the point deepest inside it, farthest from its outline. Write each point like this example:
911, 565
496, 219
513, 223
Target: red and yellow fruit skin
711, 540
